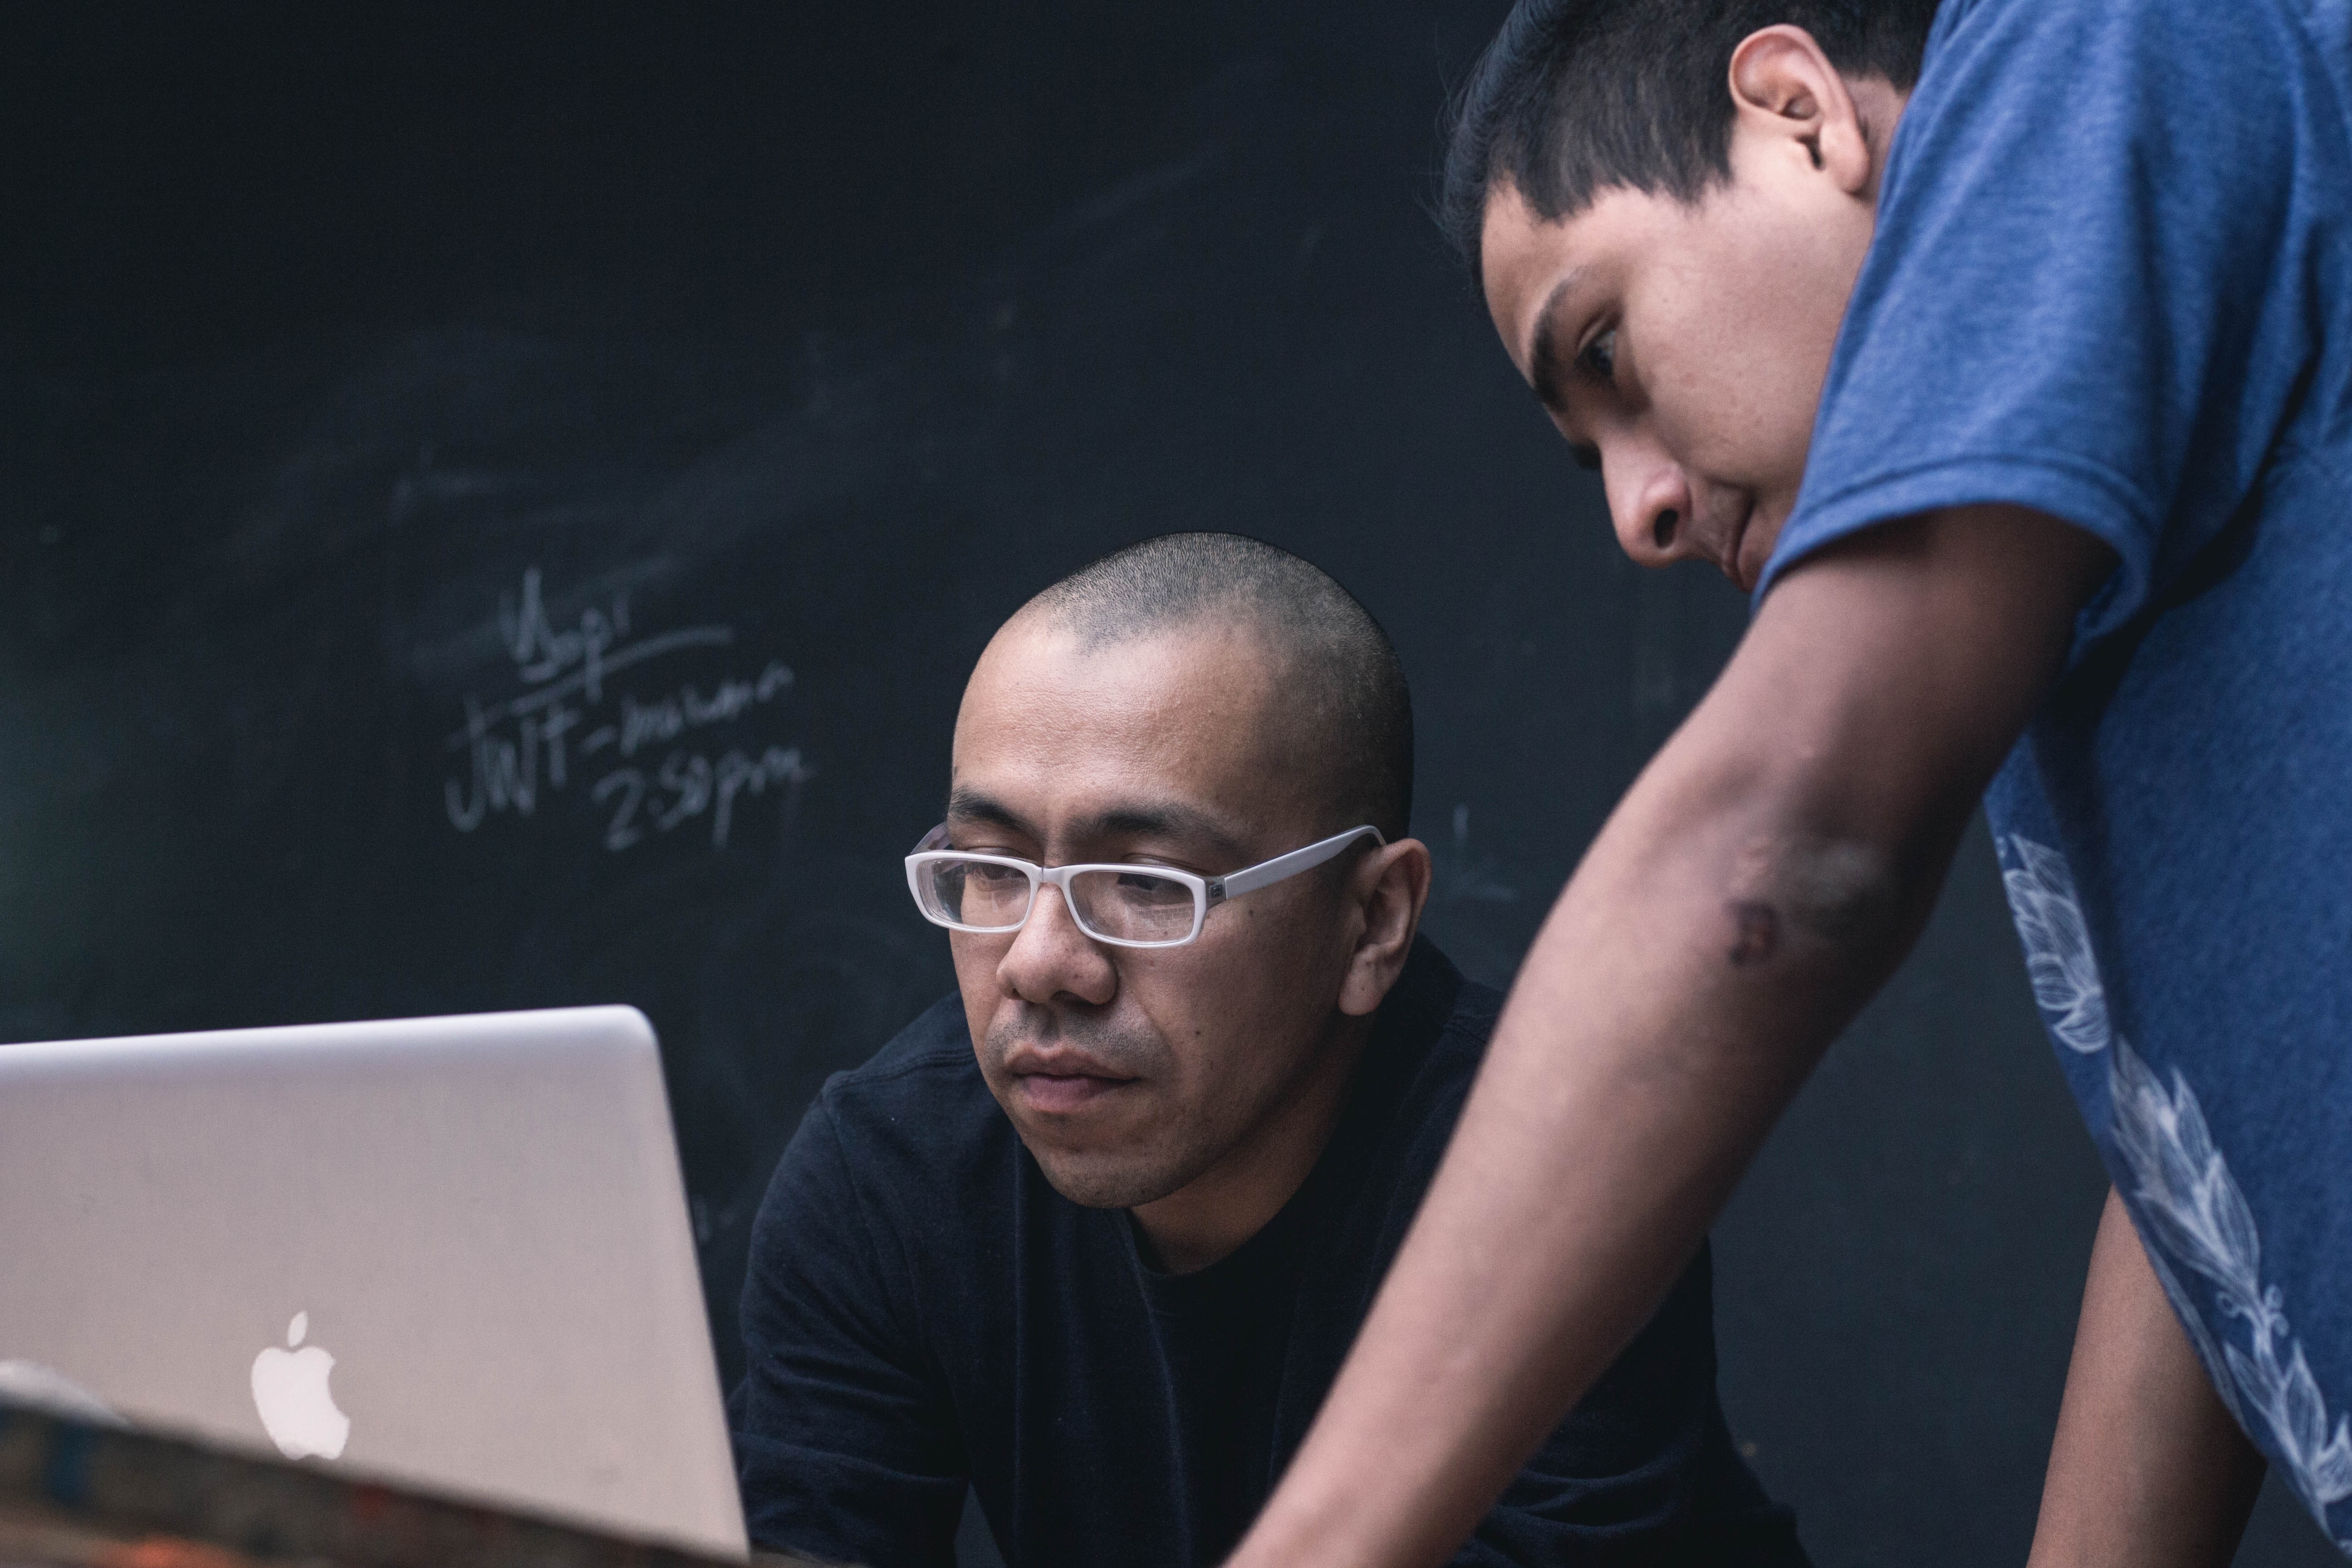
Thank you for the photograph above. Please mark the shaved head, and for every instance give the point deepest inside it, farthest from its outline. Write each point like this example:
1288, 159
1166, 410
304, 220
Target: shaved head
1343, 693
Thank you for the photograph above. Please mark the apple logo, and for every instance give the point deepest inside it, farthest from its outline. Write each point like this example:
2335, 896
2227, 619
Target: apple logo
289, 1390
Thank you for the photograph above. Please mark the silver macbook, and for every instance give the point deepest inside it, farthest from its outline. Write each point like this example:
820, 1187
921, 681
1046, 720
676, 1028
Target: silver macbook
448, 1251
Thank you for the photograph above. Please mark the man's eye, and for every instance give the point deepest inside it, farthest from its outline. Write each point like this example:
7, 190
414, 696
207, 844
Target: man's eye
1599, 355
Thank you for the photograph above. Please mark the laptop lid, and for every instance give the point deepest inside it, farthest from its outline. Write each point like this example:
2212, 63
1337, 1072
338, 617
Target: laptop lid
453, 1252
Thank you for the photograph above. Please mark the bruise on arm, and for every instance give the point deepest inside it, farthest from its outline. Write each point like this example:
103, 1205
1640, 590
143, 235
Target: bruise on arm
1758, 926
1832, 891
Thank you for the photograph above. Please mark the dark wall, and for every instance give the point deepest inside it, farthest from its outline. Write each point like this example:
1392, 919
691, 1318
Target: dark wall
496, 511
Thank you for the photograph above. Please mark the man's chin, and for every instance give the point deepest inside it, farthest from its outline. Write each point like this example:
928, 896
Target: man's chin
1758, 537
1102, 1182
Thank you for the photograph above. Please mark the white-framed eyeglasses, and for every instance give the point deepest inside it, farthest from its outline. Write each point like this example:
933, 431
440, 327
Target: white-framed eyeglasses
1127, 906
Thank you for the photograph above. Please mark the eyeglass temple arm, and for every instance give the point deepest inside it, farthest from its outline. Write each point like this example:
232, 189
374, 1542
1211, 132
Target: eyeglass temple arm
1270, 871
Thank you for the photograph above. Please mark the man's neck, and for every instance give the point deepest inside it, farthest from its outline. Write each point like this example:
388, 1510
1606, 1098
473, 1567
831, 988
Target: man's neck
1211, 1215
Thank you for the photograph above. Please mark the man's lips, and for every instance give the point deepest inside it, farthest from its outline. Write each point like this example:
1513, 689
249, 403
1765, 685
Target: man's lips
1061, 1081
1058, 1094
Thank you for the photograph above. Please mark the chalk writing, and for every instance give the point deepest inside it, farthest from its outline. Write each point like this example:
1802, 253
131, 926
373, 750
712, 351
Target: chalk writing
694, 785
530, 745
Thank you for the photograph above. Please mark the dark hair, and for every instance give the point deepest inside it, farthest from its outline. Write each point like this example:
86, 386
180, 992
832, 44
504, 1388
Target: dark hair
1343, 676
1575, 96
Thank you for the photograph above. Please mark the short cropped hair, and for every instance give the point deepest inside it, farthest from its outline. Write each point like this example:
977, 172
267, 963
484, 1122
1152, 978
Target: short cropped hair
1576, 96
1342, 674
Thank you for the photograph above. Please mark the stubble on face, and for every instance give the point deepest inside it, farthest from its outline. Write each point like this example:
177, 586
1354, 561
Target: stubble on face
1144, 1149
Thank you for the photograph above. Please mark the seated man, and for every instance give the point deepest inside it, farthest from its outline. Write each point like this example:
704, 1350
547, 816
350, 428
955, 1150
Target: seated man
1094, 1239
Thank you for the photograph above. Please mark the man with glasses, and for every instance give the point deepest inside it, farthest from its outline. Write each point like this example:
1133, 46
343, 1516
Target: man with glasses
1092, 1237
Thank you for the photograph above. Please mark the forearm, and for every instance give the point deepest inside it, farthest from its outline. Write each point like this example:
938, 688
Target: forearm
1671, 1005
1765, 873
2148, 1469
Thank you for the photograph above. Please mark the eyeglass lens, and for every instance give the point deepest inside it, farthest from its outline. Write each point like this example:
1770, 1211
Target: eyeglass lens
1121, 905
976, 893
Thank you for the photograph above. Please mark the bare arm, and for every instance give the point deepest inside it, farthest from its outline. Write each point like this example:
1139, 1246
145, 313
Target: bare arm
1769, 869
2148, 1470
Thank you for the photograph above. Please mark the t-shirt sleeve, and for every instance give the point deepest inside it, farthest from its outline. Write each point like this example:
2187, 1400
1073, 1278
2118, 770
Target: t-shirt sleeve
2081, 296
845, 1444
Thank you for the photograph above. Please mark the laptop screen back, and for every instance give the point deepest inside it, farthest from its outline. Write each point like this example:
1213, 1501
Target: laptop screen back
453, 1252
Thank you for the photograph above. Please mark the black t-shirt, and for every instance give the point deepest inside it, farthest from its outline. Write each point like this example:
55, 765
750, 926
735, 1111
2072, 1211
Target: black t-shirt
924, 1311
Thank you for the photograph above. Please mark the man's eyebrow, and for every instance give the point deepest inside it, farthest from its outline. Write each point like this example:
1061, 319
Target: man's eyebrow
971, 805
1163, 819
1154, 819
1546, 364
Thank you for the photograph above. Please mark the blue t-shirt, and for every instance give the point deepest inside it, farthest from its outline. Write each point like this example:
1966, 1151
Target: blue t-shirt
2112, 280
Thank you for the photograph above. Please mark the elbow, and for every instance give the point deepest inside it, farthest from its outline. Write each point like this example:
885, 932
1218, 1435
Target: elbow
1799, 898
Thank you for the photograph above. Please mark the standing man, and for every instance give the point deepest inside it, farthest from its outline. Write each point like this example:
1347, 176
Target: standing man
2005, 354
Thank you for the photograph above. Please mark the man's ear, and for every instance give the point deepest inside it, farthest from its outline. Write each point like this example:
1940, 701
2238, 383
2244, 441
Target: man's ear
1389, 887
1788, 99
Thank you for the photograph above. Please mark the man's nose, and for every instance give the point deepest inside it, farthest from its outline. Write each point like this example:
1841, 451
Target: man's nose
1051, 957
1649, 505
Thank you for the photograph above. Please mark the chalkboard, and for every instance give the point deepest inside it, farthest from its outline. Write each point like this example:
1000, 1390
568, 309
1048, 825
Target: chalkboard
497, 509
